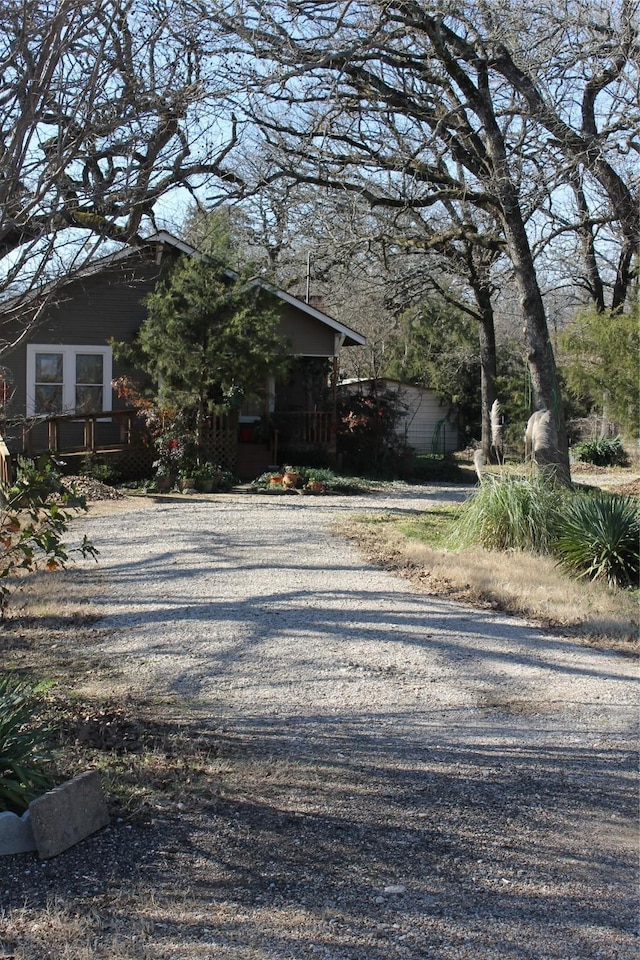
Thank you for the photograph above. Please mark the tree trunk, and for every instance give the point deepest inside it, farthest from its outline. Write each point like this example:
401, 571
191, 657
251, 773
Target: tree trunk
488, 369
545, 386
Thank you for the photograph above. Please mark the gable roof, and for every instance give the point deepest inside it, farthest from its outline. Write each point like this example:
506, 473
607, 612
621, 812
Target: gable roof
164, 238
350, 337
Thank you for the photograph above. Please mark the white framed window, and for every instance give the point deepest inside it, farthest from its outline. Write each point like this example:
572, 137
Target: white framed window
68, 379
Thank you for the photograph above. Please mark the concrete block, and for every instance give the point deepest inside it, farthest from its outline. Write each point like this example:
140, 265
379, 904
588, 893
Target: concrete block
16, 833
67, 814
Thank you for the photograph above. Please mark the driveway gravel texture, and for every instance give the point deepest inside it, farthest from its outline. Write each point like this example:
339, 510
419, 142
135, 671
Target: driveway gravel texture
398, 776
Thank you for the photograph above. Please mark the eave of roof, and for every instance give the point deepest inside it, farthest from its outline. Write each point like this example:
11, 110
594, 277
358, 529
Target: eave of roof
351, 337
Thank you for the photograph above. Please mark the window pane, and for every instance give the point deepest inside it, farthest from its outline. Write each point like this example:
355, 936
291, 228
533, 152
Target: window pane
88, 399
48, 399
89, 368
48, 368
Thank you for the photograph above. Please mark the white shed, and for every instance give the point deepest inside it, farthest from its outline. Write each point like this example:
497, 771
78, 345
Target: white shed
429, 425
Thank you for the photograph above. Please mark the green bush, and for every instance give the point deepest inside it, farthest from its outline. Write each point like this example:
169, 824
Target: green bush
510, 513
598, 535
602, 452
24, 773
35, 513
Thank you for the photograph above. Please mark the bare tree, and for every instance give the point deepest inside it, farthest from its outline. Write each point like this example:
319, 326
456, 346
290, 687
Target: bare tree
454, 259
107, 107
578, 80
417, 106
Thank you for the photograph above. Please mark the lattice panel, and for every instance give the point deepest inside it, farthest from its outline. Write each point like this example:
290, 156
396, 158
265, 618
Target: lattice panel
134, 463
220, 440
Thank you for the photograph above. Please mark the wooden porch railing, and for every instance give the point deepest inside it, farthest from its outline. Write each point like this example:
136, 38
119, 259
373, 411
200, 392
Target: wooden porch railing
95, 426
6, 469
306, 427
118, 431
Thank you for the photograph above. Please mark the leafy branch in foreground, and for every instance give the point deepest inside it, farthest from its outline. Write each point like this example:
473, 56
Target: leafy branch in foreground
34, 517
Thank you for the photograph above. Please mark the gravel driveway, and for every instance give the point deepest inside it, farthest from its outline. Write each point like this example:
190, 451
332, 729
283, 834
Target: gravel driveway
403, 777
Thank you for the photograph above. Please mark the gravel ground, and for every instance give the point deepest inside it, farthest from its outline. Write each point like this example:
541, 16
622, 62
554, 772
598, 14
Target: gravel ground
398, 776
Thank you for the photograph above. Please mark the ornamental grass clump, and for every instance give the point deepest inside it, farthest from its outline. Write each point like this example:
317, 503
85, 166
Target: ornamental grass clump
25, 771
598, 536
510, 513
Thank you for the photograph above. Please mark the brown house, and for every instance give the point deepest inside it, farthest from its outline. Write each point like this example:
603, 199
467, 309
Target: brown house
58, 381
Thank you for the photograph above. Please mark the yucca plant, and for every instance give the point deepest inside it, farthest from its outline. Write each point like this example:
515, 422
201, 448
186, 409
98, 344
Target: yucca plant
24, 763
602, 452
598, 536
510, 512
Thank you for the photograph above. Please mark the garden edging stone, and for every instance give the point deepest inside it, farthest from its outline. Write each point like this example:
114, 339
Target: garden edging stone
16, 833
68, 813
58, 819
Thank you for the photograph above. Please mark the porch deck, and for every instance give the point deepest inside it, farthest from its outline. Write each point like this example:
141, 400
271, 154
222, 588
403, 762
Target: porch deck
118, 434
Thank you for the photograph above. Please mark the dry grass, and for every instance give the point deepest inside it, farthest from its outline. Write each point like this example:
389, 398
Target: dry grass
53, 927
63, 931
515, 582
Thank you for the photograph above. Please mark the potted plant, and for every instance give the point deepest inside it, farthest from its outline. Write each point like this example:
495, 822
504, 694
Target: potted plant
164, 478
315, 486
206, 477
187, 479
290, 478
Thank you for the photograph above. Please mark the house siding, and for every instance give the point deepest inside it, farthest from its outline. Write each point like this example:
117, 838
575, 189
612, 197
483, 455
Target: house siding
306, 336
89, 311
429, 424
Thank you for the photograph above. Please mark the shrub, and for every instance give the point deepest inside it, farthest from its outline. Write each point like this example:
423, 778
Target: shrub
597, 536
226, 480
99, 470
602, 452
34, 517
510, 513
23, 761
368, 439
332, 482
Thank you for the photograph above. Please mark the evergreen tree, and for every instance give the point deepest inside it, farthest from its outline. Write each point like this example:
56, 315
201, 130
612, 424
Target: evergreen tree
599, 359
210, 337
